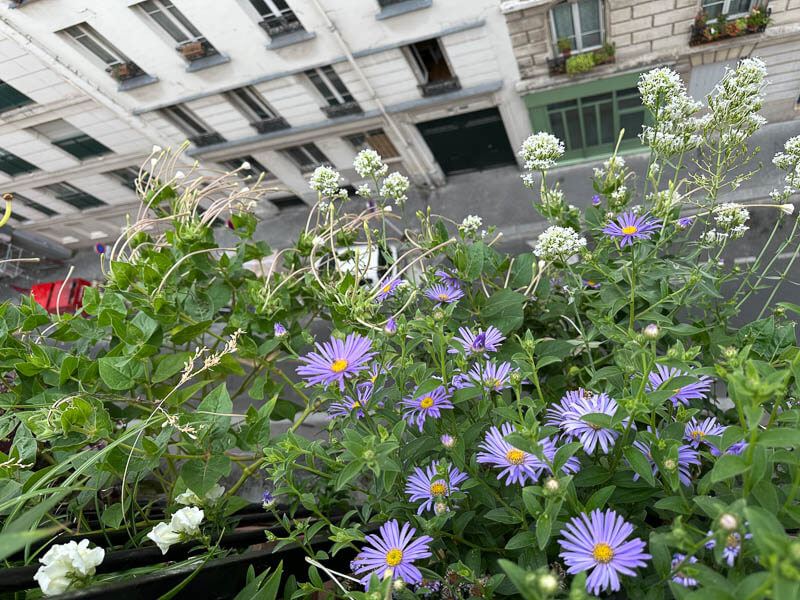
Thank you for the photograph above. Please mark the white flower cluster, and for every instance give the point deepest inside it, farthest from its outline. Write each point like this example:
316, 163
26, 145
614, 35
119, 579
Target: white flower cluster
675, 130
189, 498
185, 524
736, 100
395, 187
713, 238
541, 151
65, 565
789, 161
618, 195
368, 164
558, 243
730, 215
325, 180
470, 224
364, 190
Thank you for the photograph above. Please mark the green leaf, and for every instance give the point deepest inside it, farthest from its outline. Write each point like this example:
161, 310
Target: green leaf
662, 559
544, 526
475, 253
112, 515
218, 402
564, 453
640, 464
779, 437
120, 372
728, 466
170, 364
201, 475
523, 539
600, 497
349, 472
504, 310
530, 501
519, 577
502, 515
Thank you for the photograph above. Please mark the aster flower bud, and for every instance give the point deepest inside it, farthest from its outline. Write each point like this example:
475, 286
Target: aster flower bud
652, 331
730, 352
728, 522
670, 464
440, 507
399, 584
596, 200
390, 328
438, 315
448, 441
552, 485
280, 330
369, 454
548, 583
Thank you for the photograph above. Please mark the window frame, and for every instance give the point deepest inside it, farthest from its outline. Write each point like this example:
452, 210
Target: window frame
87, 31
175, 17
418, 65
12, 160
576, 22
243, 97
726, 8
69, 192
308, 149
365, 145
330, 84
184, 123
116, 174
33, 205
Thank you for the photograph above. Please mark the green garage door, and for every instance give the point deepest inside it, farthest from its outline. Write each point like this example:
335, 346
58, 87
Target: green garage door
469, 142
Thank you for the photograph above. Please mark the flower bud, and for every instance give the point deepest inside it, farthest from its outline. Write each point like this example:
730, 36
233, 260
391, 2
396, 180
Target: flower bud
448, 441
787, 209
399, 584
440, 507
728, 522
280, 330
515, 378
438, 315
369, 454
552, 485
670, 465
652, 331
390, 328
548, 583
730, 353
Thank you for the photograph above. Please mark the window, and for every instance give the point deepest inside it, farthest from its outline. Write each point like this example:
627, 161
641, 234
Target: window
71, 139
68, 193
255, 170
287, 202
307, 156
171, 20
593, 122
430, 66
329, 85
256, 109
127, 176
95, 43
34, 205
11, 164
199, 133
580, 21
277, 18
715, 8
375, 139
11, 97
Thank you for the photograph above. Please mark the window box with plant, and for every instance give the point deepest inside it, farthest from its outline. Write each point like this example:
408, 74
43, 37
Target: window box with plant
124, 71
705, 31
580, 63
197, 49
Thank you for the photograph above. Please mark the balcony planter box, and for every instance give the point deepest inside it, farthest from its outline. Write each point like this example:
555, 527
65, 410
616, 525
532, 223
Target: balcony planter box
270, 125
124, 71
207, 139
705, 33
276, 28
196, 50
437, 88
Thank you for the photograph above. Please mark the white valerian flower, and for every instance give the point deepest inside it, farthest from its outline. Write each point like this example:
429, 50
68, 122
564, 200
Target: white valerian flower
395, 187
67, 565
788, 161
164, 536
736, 99
730, 215
368, 163
541, 151
558, 243
364, 190
325, 180
618, 195
713, 237
675, 129
470, 224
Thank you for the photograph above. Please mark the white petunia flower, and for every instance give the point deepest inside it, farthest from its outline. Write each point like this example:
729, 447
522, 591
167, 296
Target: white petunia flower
67, 565
164, 536
187, 521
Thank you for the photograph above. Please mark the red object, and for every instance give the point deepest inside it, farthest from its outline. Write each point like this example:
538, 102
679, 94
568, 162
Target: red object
60, 296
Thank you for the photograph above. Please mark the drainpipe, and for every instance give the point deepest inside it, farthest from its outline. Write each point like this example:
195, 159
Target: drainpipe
389, 119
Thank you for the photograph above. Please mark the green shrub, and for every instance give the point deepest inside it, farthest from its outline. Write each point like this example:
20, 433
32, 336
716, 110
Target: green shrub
580, 63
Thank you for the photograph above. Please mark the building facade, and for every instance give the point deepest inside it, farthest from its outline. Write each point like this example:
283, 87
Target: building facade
579, 60
87, 87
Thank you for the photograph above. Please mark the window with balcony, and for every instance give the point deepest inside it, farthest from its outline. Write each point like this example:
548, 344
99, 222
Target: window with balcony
432, 69
47, 211
579, 23
192, 126
374, 139
307, 157
11, 164
254, 172
191, 43
277, 17
119, 66
732, 8
11, 97
66, 192
127, 176
71, 139
257, 111
334, 92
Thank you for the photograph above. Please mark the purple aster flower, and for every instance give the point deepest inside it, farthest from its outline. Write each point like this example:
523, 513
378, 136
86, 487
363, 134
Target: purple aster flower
736, 448
733, 544
483, 341
420, 407
459, 381
448, 279
375, 370
680, 577
280, 330
596, 200
444, 293
686, 456
517, 465
335, 360
352, 405
590, 284
597, 542
393, 551
557, 413
683, 223
697, 431
388, 289
590, 434
691, 391
491, 376
629, 226
391, 326
430, 486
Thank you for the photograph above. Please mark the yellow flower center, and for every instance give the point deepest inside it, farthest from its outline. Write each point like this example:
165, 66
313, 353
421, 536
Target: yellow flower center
603, 553
515, 457
438, 488
443, 296
356, 404
492, 383
697, 434
732, 541
387, 288
394, 557
629, 230
426, 402
339, 365
590, 282
677, 390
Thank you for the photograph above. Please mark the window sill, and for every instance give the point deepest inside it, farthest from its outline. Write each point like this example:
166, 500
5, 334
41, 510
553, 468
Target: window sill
288, 39
402, 8
207, 62
136, 82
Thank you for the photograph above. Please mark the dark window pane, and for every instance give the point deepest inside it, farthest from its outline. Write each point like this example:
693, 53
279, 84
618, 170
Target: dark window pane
82, 146
557, 125
574, 129
565, 104
597, 98
10, 97
632, 124
590, 125
11, 164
